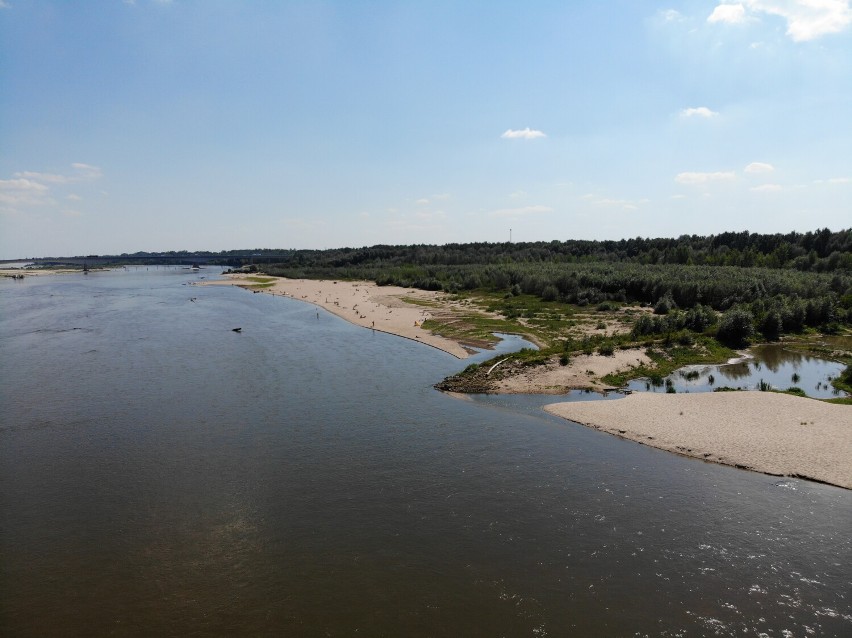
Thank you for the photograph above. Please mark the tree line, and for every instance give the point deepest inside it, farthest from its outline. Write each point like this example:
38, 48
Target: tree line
776, 283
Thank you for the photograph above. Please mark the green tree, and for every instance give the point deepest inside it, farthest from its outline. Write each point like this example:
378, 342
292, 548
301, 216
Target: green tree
736, 327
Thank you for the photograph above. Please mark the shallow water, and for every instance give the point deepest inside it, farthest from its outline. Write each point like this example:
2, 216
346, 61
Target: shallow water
161, 474
774, 365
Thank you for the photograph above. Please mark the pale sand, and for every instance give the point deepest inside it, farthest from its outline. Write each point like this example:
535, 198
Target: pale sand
583, 371
380, 308
767, 432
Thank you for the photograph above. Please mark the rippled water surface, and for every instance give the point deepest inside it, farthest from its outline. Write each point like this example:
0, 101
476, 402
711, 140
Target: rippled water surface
163, 475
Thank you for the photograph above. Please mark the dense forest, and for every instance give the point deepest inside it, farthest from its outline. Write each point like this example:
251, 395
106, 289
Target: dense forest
820, 251
777, 283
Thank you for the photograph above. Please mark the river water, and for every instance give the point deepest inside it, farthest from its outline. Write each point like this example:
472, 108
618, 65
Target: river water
163, 475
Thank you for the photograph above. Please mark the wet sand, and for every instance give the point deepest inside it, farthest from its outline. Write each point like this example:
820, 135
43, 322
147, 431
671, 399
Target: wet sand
766, 432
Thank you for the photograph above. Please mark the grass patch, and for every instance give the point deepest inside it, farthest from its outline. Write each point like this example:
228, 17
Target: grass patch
668, 359
840, 400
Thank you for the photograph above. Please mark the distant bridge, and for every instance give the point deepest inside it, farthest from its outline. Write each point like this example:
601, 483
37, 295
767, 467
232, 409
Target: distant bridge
237, 260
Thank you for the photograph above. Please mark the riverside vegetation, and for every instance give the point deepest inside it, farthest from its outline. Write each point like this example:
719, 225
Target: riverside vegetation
686, 300
691, 299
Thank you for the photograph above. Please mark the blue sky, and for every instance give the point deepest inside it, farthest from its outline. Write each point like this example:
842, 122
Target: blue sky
210, 125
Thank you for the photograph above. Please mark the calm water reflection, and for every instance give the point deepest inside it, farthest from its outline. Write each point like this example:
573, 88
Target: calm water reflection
162, 475
771, 364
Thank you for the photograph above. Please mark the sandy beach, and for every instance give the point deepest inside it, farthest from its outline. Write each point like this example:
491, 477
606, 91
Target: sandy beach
381, 308
583, 372
766, 432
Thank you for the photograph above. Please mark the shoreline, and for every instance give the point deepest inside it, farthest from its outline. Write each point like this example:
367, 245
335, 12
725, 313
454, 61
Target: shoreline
776, 434
767, 432
363, 303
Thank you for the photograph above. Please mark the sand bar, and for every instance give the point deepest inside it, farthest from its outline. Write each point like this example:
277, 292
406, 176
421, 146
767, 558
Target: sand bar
583, 372
766, 432
381, 308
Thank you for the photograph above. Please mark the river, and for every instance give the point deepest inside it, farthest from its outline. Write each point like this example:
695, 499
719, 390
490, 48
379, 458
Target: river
161, 474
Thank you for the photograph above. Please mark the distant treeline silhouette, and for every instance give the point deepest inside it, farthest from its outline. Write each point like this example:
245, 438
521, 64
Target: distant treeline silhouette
797, 279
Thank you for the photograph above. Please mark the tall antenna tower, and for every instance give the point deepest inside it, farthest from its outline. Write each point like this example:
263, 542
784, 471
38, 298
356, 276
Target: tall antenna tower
510, 235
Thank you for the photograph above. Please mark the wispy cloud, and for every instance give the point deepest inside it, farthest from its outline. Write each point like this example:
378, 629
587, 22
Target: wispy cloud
23, 192
521, 211
5, 5
671, 15
728, 13
82, 172
834, 180
86, 171
522, 134
698, 111
767, 188
759, 167
33, 188
705, 178
806, 19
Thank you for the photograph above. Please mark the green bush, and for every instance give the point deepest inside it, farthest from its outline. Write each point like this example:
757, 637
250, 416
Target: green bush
736, 327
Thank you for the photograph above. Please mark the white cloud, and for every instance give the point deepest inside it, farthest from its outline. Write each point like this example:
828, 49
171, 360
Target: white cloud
806, 19
767, 188
82, 172
21, 184
699, 111
423, 201
522, 134
705, 178
23, 192
522, 211
49, 178
728, 13
32, 188
759, 167
5, 5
